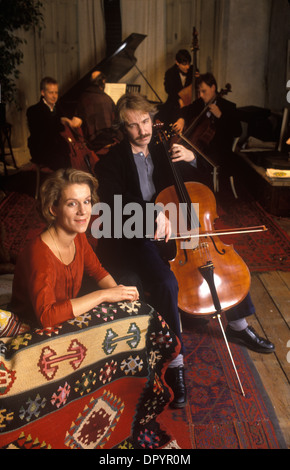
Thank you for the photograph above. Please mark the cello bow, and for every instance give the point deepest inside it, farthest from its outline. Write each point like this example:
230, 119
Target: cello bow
216, 233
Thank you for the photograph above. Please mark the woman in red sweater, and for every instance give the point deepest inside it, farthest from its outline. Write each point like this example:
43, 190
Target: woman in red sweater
49, 271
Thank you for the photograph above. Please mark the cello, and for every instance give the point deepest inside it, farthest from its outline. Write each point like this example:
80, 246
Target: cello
212, 277
211, 265
81, 157
202, 133
198, 135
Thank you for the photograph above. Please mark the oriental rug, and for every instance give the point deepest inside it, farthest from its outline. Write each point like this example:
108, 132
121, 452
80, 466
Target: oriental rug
217, 415
21, 220
94, 382
263, 251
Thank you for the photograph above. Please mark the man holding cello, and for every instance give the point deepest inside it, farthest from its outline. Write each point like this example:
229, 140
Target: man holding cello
210, 122
177, 78
136, 170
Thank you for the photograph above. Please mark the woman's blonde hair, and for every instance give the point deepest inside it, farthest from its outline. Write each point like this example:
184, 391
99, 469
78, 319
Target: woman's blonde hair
52, 188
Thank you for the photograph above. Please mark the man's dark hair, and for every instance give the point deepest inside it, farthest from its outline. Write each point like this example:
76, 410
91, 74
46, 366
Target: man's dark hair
47, 81
183, 57
206, 78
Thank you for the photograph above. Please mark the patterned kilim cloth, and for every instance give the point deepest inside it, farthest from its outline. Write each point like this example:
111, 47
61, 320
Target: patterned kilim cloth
95, 382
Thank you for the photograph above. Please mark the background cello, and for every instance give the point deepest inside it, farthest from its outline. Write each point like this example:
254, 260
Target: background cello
189, 93
201, 131
81, 157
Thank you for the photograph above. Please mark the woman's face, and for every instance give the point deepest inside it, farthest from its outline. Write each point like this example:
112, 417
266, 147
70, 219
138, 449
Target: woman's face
73, 212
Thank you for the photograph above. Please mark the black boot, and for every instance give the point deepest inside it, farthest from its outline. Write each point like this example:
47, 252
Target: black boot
174, 377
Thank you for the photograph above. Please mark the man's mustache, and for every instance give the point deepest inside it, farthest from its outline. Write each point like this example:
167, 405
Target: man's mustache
143, 136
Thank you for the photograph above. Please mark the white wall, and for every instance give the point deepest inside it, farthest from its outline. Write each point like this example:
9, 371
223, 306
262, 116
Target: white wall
247, 50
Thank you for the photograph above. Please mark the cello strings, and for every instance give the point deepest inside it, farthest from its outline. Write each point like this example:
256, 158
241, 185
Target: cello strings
183, 194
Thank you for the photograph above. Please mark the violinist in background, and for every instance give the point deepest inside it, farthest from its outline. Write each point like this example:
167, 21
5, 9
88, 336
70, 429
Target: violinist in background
217, 127
176, 78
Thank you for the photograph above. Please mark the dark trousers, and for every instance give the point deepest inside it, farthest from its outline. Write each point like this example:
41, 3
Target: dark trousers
244, 309
143, 258
160, 281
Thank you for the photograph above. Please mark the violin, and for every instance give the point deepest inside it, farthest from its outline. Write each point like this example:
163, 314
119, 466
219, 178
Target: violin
212, 277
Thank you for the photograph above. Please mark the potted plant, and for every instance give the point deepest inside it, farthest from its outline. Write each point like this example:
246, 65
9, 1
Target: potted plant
15, 16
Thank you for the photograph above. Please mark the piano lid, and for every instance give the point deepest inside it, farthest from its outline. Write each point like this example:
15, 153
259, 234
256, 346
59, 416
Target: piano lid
114, 67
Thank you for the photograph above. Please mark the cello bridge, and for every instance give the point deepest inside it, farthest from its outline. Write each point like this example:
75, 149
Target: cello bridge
201, 246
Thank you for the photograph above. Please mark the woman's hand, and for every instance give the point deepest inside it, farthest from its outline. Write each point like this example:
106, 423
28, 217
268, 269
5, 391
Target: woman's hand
108, 291
120, 292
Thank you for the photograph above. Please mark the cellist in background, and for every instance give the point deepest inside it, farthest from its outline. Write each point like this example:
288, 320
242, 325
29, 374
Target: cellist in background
217, 127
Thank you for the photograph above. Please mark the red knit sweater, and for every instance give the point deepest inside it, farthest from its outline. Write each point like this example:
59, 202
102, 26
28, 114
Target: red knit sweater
43, 285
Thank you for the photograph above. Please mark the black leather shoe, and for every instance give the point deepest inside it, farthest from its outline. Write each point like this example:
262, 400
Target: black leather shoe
249, 338
174, 377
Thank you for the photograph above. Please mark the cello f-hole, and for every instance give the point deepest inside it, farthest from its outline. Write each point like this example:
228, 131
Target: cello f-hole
223, 252
183, 262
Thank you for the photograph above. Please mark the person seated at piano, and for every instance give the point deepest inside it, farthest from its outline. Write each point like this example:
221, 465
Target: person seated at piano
217, 126
45, 122
176, 78
50, 269
135, 171
97, 111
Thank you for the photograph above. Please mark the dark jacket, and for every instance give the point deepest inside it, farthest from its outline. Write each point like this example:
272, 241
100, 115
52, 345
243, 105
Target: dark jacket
45, 143
225, 128
97, 111
168, 112
117, 174
173, 84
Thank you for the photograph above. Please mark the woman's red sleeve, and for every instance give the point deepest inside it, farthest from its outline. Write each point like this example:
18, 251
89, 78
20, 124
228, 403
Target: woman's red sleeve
92, 264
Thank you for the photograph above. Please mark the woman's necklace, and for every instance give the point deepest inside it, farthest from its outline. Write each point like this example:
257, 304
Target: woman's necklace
56, 246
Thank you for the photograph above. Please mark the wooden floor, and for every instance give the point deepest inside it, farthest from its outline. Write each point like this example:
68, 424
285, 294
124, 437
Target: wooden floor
271, 296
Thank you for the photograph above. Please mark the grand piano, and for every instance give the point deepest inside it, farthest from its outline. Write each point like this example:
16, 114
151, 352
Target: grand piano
114, 67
